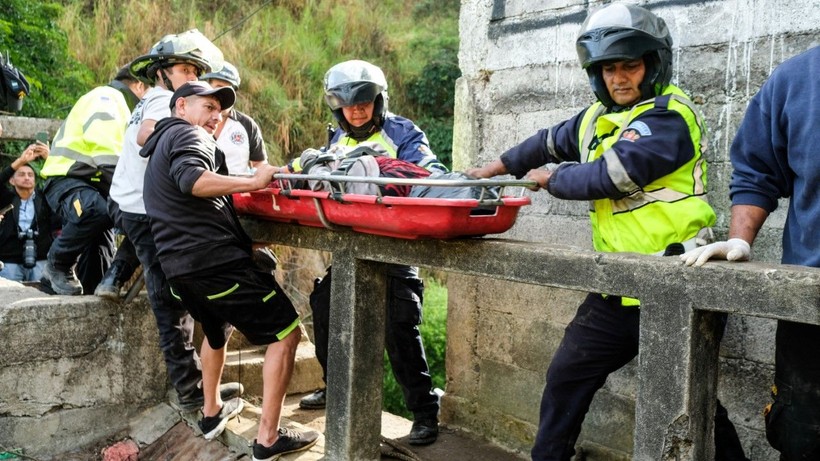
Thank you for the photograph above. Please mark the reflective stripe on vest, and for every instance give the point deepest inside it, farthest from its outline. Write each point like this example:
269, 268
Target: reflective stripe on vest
670, 209
91, 137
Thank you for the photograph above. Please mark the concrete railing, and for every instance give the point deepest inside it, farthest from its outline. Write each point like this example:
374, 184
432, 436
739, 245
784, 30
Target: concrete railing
26, 128
677, 363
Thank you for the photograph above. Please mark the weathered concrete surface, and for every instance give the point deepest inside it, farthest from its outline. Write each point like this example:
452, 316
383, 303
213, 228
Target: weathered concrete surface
494, 376
246, 366
520, 74
26, 128
76, 369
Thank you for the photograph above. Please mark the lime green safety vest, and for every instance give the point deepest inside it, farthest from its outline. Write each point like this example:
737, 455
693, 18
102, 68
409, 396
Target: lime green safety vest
376, 137
668, 210
90, 139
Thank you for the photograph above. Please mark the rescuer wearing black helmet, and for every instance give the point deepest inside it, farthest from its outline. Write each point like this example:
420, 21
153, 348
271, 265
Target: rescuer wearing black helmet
625, 33
636, 156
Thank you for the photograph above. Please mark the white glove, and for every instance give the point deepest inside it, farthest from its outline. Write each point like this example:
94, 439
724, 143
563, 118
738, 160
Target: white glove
731, 250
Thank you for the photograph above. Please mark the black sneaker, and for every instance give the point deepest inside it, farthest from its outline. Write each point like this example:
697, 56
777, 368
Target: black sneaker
424, 431
289, 441
62, 282
212, 426
314, 401
196, 400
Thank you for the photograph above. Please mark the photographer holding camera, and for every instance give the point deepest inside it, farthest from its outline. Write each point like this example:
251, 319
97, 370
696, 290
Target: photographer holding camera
26, 228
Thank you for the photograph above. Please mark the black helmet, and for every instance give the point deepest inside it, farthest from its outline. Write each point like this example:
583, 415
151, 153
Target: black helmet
619, 32
355, 82
189, 47
228, 73
13, 86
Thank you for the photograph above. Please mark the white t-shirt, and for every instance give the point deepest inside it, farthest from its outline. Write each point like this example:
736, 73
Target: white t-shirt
127, 185
241, 141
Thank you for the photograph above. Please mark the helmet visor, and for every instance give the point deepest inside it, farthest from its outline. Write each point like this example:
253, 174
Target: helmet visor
351, 94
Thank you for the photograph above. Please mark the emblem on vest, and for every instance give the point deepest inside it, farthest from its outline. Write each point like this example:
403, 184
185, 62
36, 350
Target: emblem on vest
635, 131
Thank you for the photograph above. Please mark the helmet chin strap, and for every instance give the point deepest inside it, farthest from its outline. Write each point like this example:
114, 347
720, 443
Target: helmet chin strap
166, 81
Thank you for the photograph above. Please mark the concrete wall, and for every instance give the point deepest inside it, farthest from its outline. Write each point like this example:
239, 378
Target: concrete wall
74, 370
520, 73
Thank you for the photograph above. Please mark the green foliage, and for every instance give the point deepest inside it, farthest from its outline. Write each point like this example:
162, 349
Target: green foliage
434, 334
29, 32
282, 52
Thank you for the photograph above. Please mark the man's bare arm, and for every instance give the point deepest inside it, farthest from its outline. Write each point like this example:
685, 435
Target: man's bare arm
211, 184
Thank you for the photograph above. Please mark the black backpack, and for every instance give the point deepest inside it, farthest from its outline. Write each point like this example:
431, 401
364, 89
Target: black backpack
13, 86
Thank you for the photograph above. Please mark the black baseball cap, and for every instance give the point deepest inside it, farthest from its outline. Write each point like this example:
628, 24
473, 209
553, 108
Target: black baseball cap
225, 95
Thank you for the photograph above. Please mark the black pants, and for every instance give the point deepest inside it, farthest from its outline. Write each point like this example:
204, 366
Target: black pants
602, 338
793, 424
126, 256
86, 239
405, 349
175, 325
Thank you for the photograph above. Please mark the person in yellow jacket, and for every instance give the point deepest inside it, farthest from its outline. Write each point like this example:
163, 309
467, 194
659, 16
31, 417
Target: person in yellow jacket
636, 156
78, 176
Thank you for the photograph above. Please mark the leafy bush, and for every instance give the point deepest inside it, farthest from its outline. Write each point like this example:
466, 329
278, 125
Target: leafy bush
434, 335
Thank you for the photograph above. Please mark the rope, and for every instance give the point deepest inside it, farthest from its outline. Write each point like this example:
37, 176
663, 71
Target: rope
242, 20
393, 449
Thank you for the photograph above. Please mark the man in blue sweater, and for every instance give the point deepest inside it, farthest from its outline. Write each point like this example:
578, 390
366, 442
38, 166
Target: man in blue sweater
774, 155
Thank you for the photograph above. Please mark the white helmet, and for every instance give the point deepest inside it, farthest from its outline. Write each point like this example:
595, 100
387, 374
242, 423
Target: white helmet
189, 47
355, 82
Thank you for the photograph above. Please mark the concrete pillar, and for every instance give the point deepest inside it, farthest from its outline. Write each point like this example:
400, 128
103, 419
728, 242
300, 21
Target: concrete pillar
677, 380
355, 350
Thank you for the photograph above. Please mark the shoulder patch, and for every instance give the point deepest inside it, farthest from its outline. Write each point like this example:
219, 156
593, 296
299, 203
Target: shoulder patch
635, 131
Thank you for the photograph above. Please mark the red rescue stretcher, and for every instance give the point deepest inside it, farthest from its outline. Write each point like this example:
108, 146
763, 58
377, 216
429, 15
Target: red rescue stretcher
401, 217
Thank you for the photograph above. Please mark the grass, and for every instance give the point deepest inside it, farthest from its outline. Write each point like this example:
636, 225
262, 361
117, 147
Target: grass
282, 51
434, 334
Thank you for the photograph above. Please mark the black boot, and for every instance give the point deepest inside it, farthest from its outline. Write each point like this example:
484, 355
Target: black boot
424, 431
112, 281
314, 401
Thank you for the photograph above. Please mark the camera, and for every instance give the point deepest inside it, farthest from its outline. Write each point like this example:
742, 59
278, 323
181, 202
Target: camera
29, 247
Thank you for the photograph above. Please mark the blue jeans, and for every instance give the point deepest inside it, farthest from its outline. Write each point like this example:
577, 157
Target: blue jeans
19, 273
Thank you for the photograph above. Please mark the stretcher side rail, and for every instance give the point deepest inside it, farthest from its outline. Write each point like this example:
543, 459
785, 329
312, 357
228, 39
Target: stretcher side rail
286, 178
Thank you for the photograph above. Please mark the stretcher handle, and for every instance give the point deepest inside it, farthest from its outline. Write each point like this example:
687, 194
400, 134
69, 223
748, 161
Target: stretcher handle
410, 181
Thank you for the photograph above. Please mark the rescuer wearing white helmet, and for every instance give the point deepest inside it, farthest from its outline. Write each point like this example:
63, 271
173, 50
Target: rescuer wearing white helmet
173, 61
356, 93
